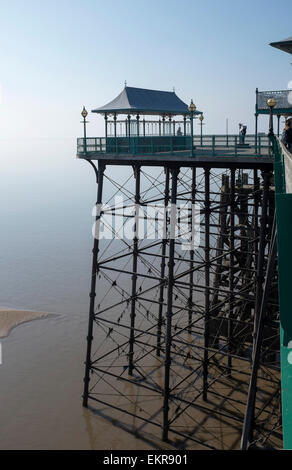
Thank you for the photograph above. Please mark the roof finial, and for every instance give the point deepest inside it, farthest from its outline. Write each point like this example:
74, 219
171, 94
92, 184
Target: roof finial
173, 89
125, 83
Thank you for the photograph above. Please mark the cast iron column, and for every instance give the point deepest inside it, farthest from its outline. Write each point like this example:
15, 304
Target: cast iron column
92, 295
256, 133
207, 283
115, 125
231, 267
261, 250
247, 433
162, 272
129, 132
105, 122
191, 278
115, 132
271, 124
137, 175
174, 174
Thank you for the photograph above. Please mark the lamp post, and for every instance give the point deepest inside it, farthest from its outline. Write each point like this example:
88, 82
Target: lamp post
84, 114
192, 109
201, 124
271, 104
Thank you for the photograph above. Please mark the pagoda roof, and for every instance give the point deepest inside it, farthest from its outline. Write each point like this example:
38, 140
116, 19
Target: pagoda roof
285, 45
143, 101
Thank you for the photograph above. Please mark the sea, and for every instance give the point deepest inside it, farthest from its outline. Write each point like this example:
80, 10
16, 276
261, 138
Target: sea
46, 202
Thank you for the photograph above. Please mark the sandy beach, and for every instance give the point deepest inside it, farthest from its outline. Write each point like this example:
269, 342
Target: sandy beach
10, 318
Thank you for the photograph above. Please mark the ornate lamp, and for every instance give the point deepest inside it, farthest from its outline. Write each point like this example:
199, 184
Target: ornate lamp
271, 103
84, 113
192, 107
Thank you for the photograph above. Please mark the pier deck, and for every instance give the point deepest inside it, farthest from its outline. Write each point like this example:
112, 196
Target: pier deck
210, 151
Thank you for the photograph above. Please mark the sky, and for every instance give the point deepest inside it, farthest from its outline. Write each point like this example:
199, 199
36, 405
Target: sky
57, 56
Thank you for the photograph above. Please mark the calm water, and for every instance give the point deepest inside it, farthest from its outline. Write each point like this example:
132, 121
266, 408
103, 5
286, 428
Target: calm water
45, 265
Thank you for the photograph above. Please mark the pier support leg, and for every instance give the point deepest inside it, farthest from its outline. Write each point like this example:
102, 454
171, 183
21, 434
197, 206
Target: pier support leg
174, 174
137, 174
261, 251
162, 268
191, 276
251, 399
231, 267
222, 239
92, 295
207, 283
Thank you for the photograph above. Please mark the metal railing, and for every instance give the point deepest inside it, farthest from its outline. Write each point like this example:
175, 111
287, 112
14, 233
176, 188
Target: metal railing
282, 98
160, 144
133, 145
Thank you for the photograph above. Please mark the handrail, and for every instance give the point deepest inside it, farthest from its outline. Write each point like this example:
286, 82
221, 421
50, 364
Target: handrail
284, 233
157, 144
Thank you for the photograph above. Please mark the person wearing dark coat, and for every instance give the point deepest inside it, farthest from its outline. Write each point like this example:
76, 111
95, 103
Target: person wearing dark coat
287, 135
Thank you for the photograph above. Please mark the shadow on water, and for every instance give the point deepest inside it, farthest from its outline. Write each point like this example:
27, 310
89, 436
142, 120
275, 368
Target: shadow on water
93, 433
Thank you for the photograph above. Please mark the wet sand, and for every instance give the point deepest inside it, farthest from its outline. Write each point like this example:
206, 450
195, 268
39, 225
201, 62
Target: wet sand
10, 319
41, 387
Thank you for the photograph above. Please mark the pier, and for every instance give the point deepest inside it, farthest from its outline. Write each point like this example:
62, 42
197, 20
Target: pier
191, 336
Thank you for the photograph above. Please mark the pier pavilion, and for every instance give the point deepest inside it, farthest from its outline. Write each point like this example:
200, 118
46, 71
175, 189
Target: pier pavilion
283, 98
281, 108
170, 126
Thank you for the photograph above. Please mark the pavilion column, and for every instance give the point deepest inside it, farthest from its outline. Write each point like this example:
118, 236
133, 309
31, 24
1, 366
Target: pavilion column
170, 125
115, 125
163, 125
159, 127
138, 124
144, 127
129, 131
115, 132
185, 125
105, 122
173, 127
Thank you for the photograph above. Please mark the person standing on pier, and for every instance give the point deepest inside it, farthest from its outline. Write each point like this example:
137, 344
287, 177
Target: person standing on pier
242, 132
287, 135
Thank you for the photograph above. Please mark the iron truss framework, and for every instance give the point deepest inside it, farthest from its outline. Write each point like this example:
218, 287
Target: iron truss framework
183, 345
